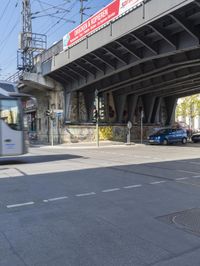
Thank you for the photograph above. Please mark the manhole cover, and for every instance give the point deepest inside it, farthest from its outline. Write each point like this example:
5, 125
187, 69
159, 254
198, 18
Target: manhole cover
188, 220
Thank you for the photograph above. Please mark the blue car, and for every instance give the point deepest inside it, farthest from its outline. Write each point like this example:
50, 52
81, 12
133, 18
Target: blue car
168, 135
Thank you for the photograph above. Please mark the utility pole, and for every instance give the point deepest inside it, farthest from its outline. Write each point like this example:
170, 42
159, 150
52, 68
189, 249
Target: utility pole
26, 16
82, 9
29, 43
24, 41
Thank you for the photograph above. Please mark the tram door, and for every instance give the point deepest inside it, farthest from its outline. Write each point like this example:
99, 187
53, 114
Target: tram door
11, 127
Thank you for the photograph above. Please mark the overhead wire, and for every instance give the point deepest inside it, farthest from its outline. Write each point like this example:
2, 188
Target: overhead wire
61, 11
60, 19
60, 8
57, 7
74, 15
7, 34
4, 10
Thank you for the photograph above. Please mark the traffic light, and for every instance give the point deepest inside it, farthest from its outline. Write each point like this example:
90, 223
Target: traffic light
101, 114
94, 115
48, 112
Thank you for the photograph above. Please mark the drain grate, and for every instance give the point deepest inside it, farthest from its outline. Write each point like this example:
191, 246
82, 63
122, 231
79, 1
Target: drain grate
188, 220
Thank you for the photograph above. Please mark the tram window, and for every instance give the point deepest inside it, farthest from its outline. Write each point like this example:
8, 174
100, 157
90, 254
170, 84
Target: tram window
10, 113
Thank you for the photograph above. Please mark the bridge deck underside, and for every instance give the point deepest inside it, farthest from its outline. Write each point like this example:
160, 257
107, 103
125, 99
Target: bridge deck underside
161, 59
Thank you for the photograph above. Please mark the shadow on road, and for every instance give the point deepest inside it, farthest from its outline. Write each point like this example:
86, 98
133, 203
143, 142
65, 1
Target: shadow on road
37, 159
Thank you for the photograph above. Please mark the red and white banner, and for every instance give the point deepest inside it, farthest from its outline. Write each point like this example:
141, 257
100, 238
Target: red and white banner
101, 18
125, 5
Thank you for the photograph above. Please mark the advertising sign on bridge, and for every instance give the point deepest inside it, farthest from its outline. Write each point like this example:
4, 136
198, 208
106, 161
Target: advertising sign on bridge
100, 19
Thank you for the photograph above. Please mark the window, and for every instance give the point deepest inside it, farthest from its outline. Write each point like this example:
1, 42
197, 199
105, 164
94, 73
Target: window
10, 113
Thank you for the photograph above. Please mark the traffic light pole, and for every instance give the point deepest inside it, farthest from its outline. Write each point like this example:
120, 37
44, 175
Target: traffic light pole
97, 119
52, 132
141, 126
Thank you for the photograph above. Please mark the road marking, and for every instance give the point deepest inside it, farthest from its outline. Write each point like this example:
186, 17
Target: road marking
181, 178
110, 190
133, 186
54, 199
20, 204
188, 172
85, 194
157, 182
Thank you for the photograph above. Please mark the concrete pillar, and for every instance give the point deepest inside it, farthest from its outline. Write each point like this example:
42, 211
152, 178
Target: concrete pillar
156, 110
170, 103
120, 103
89, 102
68, 96
148, 103
132, 104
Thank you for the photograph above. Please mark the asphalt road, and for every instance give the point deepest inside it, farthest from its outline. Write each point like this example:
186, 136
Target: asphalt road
135, 205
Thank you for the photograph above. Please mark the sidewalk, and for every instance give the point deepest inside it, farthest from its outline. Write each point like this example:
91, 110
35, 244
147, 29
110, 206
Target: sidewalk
83, 145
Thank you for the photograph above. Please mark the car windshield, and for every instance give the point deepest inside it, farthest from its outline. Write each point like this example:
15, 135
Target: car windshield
162, 131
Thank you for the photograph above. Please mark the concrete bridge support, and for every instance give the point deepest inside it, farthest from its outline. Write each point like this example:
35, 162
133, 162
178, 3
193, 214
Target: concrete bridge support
155, 118
120, 105
148, 103
132, 104
89, 98
170, 104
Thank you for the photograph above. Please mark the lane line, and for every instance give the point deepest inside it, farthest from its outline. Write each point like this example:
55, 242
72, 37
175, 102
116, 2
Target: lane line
196, 176
85, 194
132, 186
158, 182
104, 191
20, 204
54, 199
195, 163
183, 171
110, 190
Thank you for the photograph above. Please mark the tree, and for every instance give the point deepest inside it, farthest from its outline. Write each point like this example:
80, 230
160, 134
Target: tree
193, 109
182, 108
189, 107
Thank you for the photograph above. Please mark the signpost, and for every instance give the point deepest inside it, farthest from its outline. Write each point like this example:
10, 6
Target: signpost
52, 133
129, 126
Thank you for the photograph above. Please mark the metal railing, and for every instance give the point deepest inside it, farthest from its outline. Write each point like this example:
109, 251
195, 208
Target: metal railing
53, 50
15, 77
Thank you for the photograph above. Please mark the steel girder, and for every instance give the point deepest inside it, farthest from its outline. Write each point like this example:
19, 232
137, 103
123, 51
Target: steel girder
168, 45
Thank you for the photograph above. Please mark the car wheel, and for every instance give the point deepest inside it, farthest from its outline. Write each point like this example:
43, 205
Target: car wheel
184, 140
165, 142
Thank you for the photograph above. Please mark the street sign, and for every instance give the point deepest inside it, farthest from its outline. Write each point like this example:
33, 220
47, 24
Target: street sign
129, 125
58, 111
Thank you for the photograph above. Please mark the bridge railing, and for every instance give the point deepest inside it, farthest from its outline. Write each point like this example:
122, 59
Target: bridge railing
15, 77
53, 50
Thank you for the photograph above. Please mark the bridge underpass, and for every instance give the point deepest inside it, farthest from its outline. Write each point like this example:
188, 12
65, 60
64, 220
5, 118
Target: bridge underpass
144, 60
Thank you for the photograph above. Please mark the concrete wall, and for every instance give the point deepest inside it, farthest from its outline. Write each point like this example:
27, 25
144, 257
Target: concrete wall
87, 133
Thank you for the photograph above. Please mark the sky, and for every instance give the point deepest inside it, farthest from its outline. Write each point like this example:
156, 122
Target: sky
54, 18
